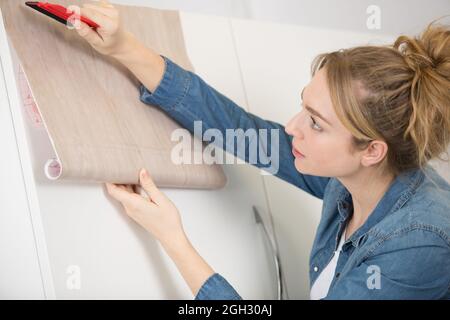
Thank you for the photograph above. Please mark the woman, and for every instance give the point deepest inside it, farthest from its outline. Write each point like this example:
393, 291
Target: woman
372, 118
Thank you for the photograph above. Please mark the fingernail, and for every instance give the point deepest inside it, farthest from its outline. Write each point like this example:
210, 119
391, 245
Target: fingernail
144, 173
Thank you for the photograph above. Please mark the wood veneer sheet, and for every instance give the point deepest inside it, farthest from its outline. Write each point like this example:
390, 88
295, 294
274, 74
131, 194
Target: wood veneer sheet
89, 103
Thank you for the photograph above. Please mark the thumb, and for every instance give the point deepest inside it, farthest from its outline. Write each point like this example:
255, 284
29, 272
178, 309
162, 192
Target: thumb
149, 186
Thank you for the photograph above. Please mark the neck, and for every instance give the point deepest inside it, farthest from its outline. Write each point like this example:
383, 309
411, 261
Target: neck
367, 187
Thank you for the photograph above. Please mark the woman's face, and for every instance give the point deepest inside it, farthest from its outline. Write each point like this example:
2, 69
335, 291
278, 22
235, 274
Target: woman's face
322, 140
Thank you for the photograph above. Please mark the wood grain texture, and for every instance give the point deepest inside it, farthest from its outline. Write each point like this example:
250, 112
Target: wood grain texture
90, 104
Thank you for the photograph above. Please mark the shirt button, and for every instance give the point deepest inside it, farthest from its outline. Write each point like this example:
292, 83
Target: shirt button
316, 269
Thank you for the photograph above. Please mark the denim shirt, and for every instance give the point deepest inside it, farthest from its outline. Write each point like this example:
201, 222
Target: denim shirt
402, 251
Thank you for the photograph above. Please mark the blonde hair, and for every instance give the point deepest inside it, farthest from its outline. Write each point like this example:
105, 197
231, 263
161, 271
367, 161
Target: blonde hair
396, 93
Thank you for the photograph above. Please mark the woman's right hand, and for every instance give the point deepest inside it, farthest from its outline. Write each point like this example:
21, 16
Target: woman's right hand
109, 38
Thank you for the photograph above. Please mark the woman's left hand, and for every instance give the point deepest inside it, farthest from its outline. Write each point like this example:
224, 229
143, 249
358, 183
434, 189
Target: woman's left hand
156, 213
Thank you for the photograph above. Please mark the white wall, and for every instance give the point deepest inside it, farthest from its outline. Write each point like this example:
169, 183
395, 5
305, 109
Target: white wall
399, 16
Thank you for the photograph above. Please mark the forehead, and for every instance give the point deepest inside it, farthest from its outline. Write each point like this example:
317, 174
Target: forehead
317, 96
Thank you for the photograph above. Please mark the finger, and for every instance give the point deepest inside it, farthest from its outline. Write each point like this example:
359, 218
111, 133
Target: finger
107, 11
126, 187
88, 33
121, 186
129, 188
149, 187
98, 17
121, 194
138, 189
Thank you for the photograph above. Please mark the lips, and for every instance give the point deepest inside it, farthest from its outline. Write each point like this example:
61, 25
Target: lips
297, 153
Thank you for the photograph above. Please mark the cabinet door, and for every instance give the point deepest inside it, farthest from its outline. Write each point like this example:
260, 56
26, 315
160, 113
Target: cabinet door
96, 251
20, 275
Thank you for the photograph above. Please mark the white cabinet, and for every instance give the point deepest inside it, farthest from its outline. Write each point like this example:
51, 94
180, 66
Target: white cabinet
68, 240
20, 275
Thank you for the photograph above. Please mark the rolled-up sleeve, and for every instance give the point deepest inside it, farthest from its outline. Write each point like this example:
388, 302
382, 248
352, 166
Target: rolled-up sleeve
217, 288
171, 90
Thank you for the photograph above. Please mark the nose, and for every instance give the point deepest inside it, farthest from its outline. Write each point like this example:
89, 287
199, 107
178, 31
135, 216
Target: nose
292, 128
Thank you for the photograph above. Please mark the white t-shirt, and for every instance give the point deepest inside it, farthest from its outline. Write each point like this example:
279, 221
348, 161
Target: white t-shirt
320, 287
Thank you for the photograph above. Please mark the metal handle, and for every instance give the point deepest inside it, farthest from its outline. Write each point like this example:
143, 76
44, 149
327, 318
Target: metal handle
275, 254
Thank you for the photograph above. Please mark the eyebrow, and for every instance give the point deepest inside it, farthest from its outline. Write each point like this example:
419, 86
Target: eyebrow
313, 111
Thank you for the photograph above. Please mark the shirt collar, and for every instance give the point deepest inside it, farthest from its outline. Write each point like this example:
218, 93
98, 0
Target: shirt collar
398, 193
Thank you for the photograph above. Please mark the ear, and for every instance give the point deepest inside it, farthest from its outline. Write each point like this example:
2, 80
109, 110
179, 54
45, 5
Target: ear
375, 152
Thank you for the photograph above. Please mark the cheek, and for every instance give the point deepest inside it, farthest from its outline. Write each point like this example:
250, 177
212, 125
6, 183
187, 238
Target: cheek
327, 156
325, 151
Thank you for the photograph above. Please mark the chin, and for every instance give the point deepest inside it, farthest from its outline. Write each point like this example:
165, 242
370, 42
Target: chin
300, 166
303, 169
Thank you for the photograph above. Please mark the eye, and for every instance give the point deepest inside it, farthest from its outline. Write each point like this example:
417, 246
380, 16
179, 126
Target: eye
314, 125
